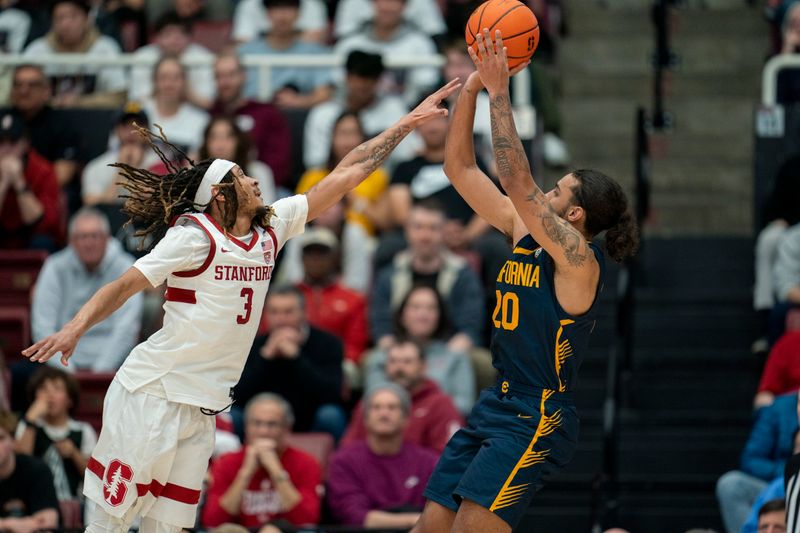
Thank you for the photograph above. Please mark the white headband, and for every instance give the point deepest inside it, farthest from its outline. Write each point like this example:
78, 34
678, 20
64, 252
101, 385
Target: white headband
216, 171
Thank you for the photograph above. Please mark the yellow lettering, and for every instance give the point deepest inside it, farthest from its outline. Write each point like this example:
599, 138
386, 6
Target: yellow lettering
534, 281
502, 271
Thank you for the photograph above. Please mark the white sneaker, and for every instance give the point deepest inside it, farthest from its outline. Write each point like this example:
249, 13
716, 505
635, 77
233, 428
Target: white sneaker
554, 150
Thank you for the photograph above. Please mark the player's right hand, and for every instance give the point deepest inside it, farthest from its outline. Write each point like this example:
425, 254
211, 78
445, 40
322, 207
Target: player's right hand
63, 341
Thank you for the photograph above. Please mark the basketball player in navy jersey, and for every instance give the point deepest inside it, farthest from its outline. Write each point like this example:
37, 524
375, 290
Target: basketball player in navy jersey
525, 428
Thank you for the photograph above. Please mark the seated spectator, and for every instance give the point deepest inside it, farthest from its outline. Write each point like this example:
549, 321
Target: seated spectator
100, 182
781, 211
298, 361
433, 417
422, 317
298, 87
378, 482
773, 491
786, 275
14, 27
51, 134
169, 108
376, 111
250, 21
781, 372
428, 262
353, 14
49, 433
173, 37
264, 123
267, 481
332, 306
366, 210
772, 517
388, 34
70, 277
30, 211
27, 498
73, 32
763, 459
788, 81
223, 139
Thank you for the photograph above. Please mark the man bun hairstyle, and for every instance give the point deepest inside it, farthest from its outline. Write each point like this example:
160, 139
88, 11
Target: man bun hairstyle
607, 209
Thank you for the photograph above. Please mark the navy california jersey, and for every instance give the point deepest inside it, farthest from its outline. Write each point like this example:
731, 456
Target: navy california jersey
534, 341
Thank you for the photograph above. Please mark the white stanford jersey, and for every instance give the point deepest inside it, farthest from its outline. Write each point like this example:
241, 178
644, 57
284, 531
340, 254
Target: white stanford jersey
213, 309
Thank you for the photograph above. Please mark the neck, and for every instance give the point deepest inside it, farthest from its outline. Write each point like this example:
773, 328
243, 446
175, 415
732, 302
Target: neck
280, 41
385, 445
433, 153
231, 106
167, 107
7, 468
426, 265
56, 420
242, 226
384, 33
351, 106
320, 282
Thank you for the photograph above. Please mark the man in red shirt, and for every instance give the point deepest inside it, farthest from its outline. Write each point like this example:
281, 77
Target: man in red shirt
329, 304
433, 418
30, 212
266, 481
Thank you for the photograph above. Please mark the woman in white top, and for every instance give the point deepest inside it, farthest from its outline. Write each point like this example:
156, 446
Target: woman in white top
168, 107
223, 139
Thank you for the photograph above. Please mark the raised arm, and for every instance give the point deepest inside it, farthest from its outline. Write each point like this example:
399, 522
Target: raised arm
104, 302
563, 242
368, 156
462, 169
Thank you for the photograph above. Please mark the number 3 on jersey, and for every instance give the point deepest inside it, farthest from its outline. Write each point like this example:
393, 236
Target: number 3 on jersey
506, 312
247, 294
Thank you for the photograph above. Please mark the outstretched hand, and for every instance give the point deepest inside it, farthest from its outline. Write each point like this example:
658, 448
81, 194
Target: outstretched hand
63, 341
431, 107
491, 61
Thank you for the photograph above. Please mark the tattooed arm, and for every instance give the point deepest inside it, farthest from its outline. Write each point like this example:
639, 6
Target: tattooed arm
461, 168
562, 240
364, 159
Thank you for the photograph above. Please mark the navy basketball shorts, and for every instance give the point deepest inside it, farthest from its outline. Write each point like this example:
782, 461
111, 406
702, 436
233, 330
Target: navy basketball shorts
512, 443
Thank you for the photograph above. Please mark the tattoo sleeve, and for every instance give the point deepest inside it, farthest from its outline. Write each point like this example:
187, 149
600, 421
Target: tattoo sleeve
372, 153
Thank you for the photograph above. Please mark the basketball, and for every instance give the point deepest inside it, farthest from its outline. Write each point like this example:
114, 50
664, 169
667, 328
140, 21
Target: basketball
516, 22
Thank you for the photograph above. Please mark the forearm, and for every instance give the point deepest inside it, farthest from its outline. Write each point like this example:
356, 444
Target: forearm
288, 493
459, 148
390, 520
231, 501
25, 442
80, 461
107, 300
512, 163
30, 208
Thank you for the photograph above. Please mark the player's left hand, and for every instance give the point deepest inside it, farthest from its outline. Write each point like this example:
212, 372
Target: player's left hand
63, 341
431, 107
491, 61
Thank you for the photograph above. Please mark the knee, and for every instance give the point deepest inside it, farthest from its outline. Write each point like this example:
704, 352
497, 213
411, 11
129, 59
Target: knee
330, 418
728, 485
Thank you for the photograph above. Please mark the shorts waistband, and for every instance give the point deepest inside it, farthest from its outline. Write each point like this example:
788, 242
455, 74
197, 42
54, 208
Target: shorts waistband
506, 386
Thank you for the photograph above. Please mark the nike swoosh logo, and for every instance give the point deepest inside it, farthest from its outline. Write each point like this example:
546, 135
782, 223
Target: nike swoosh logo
524, 416
223, 250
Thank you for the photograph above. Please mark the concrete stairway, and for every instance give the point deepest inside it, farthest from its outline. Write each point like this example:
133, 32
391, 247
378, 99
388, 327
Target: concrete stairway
702, 168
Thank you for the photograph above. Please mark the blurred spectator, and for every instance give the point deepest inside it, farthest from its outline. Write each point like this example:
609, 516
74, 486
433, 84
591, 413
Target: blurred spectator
14, 27
100, 182
73, 32
772, 517
786, 276
70, 277
266, 125
780, 212
298, 361
366, 206
250, 21
781, 372
375, 111
422, 317
189, 11
173, 37
182, 122
329, 304
49, 433
763, 459
291, 86
389, 35
27, 497
433, 416
224, 139
30, 211
791, 29
51, 134
267, 480
428, 262
351, 15
378, 482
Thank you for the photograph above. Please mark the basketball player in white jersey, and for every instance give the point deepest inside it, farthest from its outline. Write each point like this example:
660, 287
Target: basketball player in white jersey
215, 247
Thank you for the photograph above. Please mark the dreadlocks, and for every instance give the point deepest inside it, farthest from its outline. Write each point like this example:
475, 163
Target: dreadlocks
153, 202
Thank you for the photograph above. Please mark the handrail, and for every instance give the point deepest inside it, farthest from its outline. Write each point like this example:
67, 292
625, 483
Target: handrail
769, 76
521, 82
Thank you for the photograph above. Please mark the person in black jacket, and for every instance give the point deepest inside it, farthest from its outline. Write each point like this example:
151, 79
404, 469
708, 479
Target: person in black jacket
298, 361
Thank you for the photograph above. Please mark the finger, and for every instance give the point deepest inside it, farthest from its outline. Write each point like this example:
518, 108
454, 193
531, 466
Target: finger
481, 44
498, 39
487, 39
446, 89
473, 56
65, 358
520, 67
30, 350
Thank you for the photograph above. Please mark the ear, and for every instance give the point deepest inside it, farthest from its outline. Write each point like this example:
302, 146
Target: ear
575, 213
215, 194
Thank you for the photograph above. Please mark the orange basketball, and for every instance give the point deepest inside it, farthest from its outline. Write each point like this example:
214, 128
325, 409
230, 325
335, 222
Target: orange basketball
516, 22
